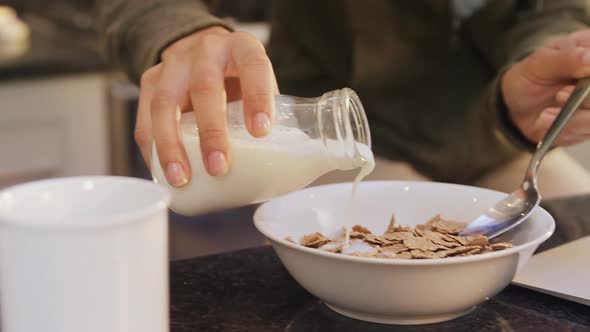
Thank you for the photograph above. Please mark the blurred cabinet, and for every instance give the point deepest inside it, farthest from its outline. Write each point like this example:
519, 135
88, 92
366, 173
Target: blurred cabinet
53, 127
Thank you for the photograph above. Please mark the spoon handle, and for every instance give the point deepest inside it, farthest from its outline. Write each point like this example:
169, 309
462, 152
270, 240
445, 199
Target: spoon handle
571, 106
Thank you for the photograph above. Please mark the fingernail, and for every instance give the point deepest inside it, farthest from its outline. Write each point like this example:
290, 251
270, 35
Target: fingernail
217, 163
563, 95
261, 123
547, 117
175, 174
553, 112
586, 58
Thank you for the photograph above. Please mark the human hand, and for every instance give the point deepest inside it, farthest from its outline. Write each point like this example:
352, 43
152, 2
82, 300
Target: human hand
201, 72
535, 89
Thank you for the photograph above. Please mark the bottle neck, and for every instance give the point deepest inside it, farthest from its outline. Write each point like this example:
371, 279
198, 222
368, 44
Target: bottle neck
343, 128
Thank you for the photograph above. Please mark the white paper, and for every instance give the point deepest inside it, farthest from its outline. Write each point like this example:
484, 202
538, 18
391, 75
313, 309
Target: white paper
563, 271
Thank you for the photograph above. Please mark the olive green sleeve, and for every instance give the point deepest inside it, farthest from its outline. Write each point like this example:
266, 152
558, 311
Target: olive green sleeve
135, 32
527, 25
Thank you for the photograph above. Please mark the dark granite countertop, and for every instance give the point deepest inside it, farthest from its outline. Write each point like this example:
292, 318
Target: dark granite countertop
54, 50
250, 290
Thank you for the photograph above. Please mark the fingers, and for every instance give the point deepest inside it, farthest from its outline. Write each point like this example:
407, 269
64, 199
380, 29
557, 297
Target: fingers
186, 45
209, 103
576, 39
193, 72
577, 130
564, 58
550, 65
243, 57
562, 96
257, 81
143, 123
168, 95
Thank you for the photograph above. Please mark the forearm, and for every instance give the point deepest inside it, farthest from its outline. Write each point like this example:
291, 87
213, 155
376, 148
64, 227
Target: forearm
135, 32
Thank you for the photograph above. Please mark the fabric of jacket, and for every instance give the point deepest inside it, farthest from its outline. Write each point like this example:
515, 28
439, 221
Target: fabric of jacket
427, 71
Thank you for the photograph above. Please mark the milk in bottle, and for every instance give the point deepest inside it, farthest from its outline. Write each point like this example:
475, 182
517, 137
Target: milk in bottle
309, 137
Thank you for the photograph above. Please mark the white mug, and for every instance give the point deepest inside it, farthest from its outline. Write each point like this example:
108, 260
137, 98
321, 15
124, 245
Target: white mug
84, 254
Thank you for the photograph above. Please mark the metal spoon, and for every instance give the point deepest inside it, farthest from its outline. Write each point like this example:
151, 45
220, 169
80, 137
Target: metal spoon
516, 207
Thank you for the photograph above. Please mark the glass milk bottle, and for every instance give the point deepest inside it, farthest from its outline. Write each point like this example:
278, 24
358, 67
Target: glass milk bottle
309, 137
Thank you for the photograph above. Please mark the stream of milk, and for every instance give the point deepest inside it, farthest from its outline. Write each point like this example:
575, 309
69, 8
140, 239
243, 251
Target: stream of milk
367, 165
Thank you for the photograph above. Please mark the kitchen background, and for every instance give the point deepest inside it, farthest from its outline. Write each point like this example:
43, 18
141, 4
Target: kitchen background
64, 111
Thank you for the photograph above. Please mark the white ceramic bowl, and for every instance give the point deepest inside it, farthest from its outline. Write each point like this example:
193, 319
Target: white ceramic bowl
388, 290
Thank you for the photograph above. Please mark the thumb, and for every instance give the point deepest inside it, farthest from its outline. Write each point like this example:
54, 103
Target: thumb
549, 65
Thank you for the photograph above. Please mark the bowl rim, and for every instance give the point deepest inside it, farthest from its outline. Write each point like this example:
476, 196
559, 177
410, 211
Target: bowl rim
389, 261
